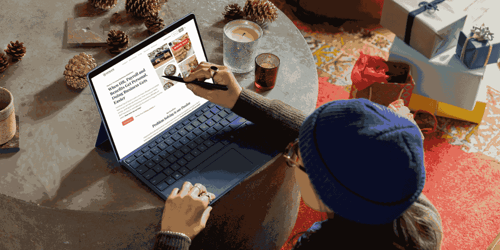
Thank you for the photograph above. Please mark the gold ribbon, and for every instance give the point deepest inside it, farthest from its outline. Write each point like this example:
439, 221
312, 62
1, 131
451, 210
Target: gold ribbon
478, 38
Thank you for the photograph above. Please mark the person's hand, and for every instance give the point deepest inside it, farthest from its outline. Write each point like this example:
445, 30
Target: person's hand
187, 211
224, 98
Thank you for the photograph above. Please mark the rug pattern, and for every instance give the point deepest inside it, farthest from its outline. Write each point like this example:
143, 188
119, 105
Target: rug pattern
336, 54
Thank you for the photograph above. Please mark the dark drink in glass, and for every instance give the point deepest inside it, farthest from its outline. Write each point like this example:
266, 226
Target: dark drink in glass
266, 71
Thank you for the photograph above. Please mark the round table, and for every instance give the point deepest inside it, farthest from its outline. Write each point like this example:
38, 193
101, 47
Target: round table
60, 192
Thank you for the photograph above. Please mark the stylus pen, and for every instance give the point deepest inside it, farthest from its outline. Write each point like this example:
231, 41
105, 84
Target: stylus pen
202, 84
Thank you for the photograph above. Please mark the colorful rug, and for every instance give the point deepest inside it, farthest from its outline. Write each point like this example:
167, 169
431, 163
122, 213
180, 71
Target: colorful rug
462, 158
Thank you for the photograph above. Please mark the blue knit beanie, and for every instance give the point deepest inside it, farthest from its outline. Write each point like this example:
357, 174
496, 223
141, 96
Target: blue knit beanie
364, 161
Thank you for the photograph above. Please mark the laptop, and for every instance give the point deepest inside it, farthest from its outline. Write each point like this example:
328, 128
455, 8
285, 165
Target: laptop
163, 133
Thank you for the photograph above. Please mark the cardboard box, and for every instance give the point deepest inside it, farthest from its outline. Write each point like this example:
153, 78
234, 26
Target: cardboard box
429, 34
443, 78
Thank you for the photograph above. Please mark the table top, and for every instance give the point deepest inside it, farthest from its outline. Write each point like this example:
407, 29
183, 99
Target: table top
57, 165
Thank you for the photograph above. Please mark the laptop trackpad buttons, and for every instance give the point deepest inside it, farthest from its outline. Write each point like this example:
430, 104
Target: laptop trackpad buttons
223, 172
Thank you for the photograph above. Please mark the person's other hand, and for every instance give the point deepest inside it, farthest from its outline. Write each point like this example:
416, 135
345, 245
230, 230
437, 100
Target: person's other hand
186, 211
224, 98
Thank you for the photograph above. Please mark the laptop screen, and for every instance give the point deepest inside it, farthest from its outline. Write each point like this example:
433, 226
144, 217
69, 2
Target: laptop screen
136, 102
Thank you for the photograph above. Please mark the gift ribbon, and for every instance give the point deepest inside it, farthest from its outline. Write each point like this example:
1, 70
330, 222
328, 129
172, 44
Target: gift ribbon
424, 6
480, 38
427, 130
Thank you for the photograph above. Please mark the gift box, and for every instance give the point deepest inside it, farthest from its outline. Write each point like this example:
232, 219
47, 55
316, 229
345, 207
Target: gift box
436, 108
479, 49
381, 82
419, 102
443, 78
419, 24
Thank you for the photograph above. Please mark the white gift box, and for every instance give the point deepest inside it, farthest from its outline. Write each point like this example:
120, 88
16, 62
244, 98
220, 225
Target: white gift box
432, 32
442, 78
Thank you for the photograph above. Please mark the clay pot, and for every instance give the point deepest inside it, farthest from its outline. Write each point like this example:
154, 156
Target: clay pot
7, 116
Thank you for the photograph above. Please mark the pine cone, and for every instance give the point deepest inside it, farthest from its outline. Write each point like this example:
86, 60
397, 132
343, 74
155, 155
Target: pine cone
103, 4
4, 62
142, 8
233, 12
154, 23
77, 69
117, 41
260, 11
16, 50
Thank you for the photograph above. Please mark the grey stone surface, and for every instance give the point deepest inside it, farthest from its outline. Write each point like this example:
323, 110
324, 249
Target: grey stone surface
57, 166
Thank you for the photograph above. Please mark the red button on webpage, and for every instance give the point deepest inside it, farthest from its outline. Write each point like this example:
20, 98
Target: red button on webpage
128, 121
182, 43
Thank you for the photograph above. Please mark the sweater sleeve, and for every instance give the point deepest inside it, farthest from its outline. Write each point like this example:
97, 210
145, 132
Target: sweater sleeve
170, 242
274, 114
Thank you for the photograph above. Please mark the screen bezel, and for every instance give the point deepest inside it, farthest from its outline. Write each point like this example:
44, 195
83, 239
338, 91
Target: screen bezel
126, 54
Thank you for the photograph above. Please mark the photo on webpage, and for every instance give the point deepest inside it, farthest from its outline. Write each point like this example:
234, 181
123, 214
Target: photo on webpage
188, 66
169, 68
182, 47
160, 56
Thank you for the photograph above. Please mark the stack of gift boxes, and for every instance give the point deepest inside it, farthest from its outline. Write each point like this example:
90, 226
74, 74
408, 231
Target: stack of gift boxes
450, 63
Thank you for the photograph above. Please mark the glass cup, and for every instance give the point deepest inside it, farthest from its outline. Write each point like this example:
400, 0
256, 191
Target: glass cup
240, 40
266, 71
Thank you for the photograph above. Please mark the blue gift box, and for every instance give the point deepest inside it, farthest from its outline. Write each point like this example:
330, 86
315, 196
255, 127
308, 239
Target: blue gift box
476, 52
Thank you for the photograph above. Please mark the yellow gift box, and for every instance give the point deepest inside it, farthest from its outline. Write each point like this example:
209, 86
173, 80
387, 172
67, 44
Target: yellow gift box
446, 110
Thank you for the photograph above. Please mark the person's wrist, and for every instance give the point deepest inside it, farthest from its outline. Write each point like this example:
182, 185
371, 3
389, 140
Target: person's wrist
235, 98
188, 237
170, 229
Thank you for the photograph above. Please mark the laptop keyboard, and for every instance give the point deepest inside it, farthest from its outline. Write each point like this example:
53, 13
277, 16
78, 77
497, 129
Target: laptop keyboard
174, 154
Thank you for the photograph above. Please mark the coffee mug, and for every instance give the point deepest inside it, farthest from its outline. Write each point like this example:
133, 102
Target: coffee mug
7, 116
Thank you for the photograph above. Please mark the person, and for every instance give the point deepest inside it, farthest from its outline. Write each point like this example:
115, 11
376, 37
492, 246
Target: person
358, 161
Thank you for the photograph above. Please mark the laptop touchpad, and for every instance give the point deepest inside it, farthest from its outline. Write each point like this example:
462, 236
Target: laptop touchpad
223, 172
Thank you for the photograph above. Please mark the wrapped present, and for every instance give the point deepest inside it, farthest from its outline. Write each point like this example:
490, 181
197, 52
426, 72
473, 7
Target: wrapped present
381, 82
431, 28
443, 78
477, 50
419, 102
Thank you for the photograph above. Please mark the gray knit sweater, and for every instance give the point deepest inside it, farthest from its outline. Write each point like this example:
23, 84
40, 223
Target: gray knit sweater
277, 116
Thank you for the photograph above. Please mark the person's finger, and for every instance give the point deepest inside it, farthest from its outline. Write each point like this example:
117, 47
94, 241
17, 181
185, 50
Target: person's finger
205, 216
205, 197
195, 190
200, 73
212, 196
205, 65
185, 188
200, 91
202, 189
174, 192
